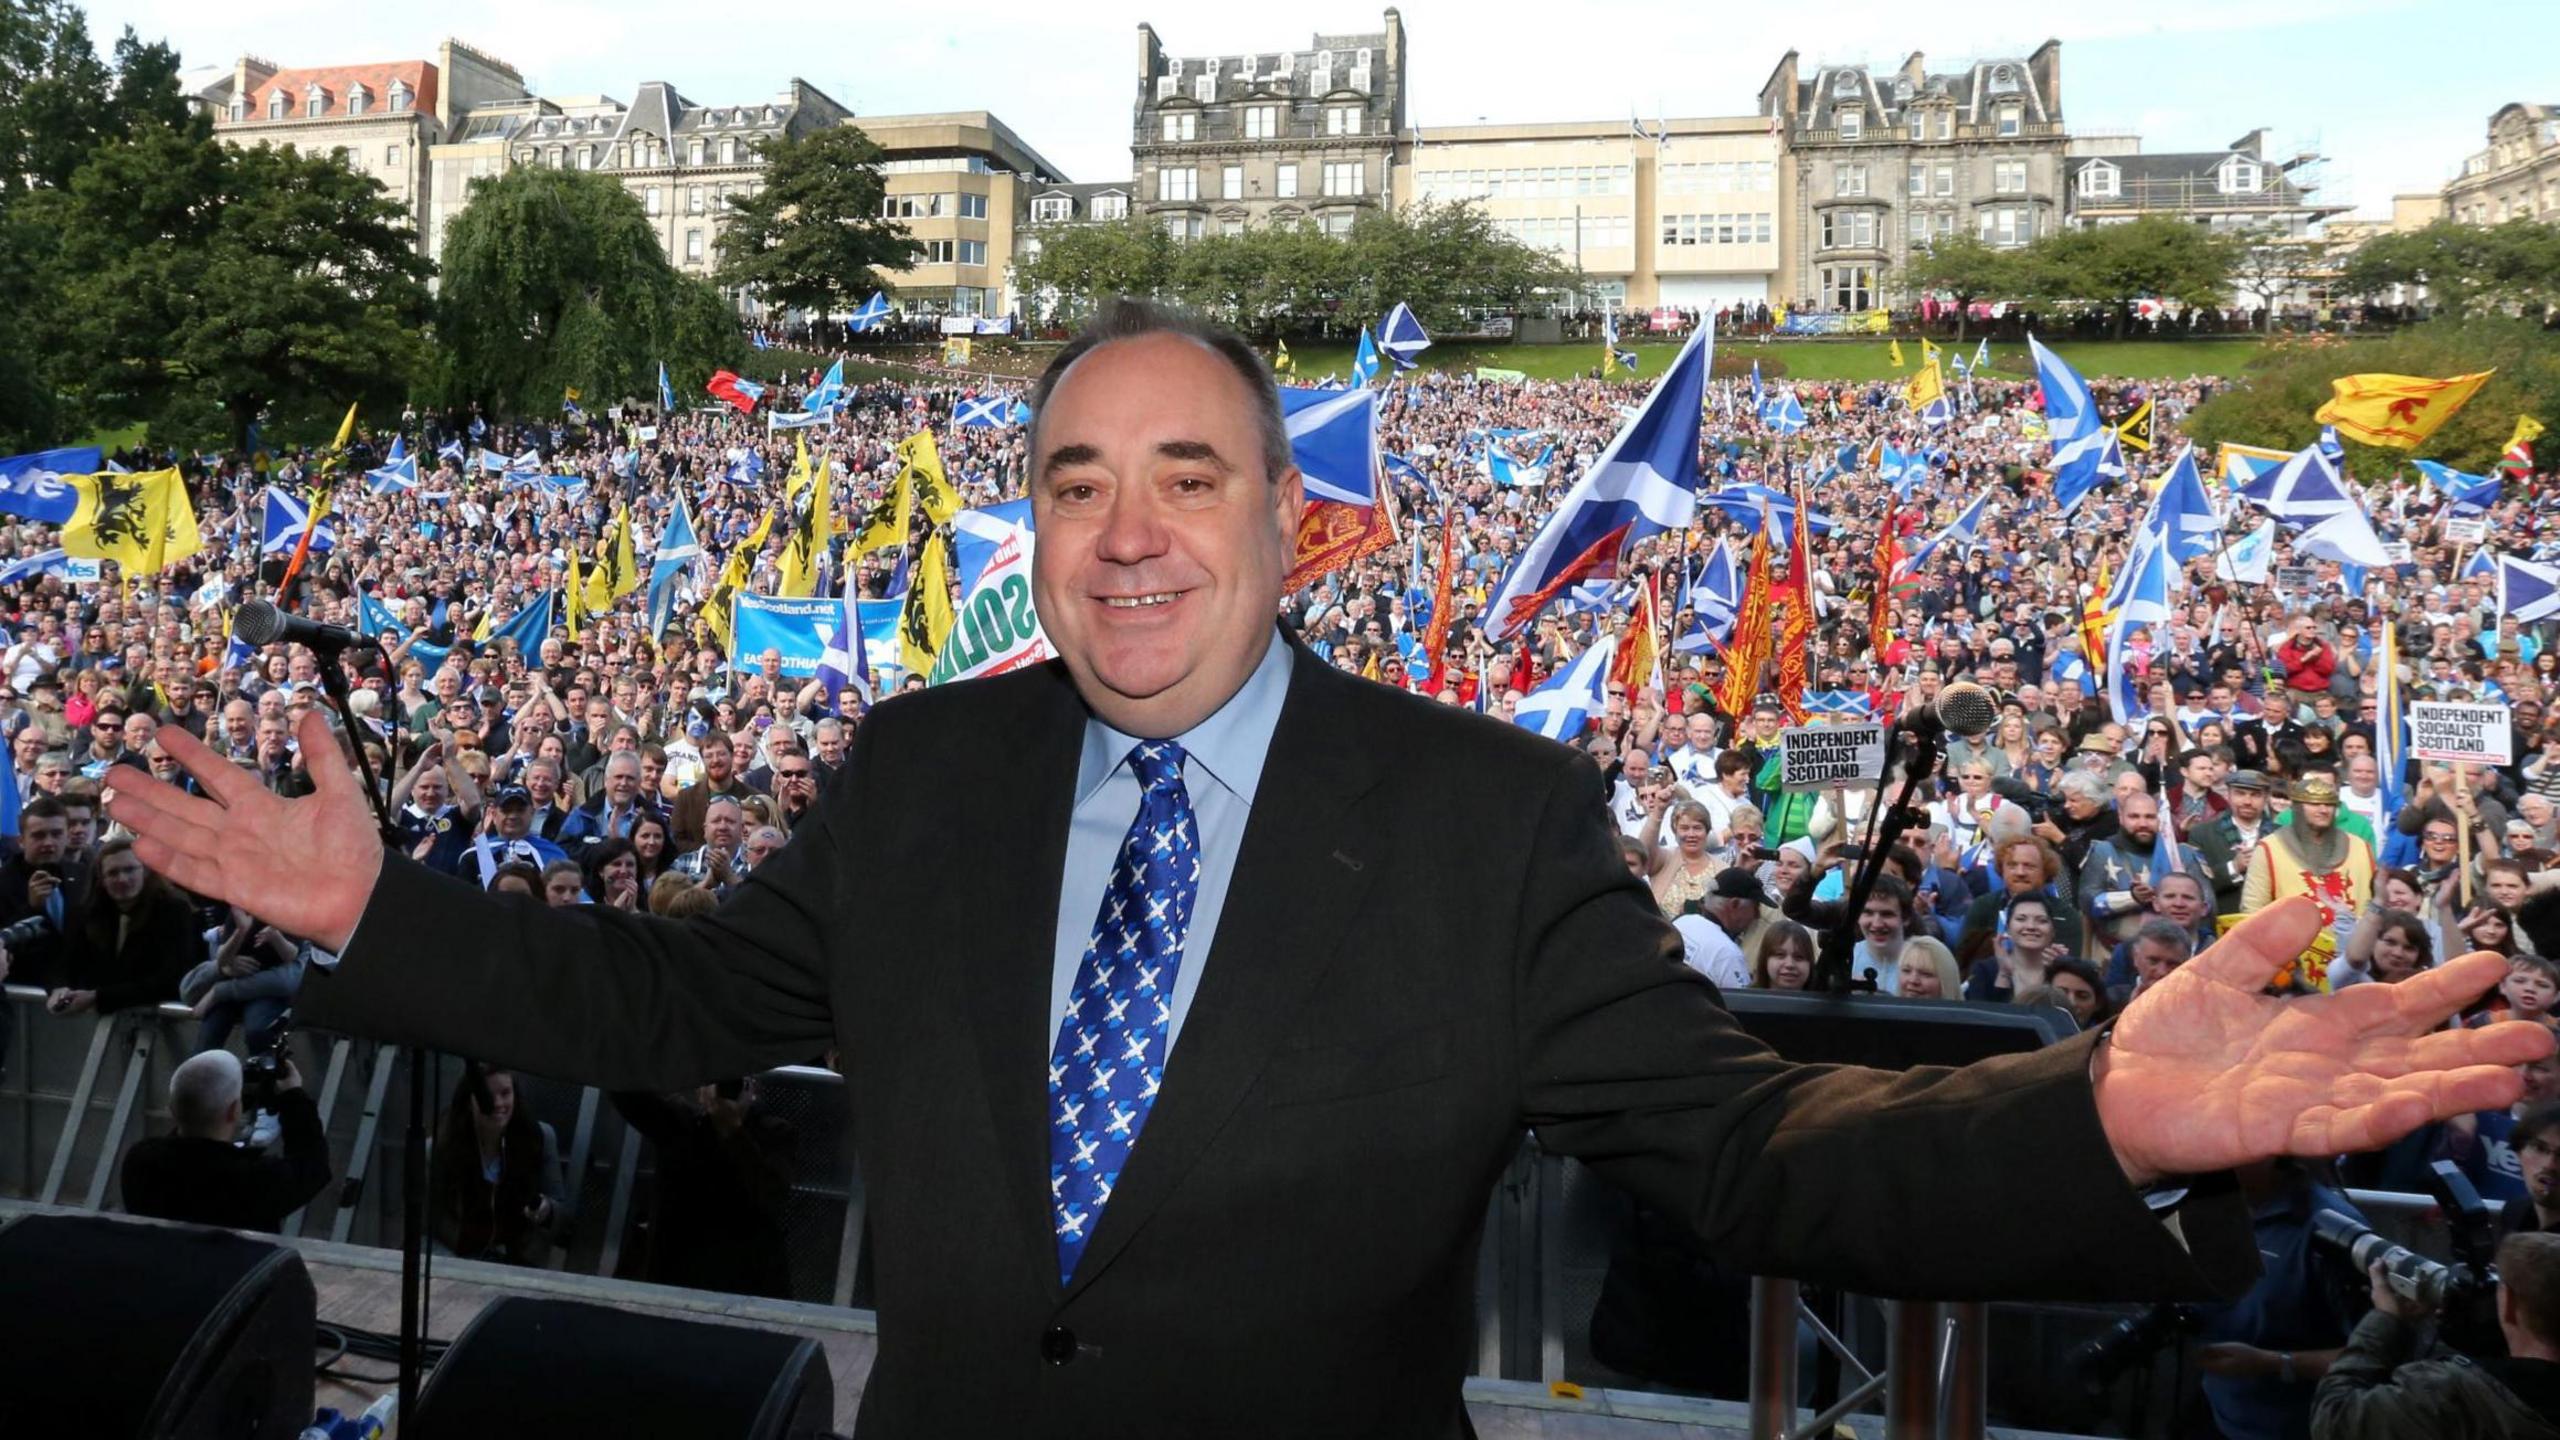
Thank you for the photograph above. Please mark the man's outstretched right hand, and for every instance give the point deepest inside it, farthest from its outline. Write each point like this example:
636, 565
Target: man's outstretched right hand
305, 865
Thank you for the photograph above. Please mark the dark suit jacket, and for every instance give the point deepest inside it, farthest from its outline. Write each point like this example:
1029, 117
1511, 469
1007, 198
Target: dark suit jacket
1430, 944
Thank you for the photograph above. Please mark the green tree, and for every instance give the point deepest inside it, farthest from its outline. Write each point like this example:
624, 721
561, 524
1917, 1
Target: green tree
203, 286
1445, 261
812, 237
2109, 267
1962, 267
2466, 269
555, 278
1079, 267
2274, 402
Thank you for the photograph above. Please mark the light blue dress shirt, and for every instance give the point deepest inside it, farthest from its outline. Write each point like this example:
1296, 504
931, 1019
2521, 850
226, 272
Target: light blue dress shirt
1225, 768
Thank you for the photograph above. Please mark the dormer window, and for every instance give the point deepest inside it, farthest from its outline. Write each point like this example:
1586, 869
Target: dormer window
315, 102
2101, 181
277, 105
239, 107
1845, 83
358, 100
2010, 118
1853, 124
2004, 79
1919, 125
2240, 176
400, 96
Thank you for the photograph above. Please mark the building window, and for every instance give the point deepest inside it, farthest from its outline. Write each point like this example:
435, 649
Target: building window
1232, 182
239, 107
1345, 177
972, 207
559, 158
2239, 177
1337, 226
391, 156
653, 199
2006, 226
1262, 122
1342, 120
2008, 177
1050, 210
1849, 287
1110, 207
315, 104
1182, 184
1182, 227
973, 252
1182, 125
1848, 179
1919, 226
937, 252
1919, 125
2101, 182
1919, 178
1231, 228
2009, 116
1284, 182
695, 153
400, 96
1943, 180
1848, 229
358, 101
1946, 124
1853, 124
693, 246
586, 157
729, 150
693, 200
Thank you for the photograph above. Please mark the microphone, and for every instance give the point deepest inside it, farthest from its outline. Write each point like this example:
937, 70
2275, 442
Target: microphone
259, 622
1966, 708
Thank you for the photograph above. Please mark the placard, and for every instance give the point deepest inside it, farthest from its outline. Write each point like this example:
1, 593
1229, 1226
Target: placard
1816, 757
2465, 529
646, 433
2297, 579
2396, 551
2471, 734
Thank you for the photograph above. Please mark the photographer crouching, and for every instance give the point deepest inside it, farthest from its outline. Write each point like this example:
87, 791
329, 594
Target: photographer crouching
2380, 1386
202, 1175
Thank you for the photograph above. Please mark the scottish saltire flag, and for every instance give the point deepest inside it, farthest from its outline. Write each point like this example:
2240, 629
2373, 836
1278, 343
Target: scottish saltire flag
2164, 849
2526, 590
2482, 562
489, 462
2463, 492
1755, 382
843, 665
1903, 472
1845, 704
872, 313
399, 471
2182, 514
2244, 464
1563, 707
2251, 559
33, 486
1625, 358
1400, 465
678, 548
1981, 355
286, 517
1646, 482
1364, 366
987, 412
43, 562
1714, 601
2144, 588
452, 450
1748, 503
528, 625
1503, 469
1400, 335
1333, 435
374, 617
762, 341
525, 469
666, 392
830, 392
2307, 493
1963, 529
977, 534
1783, 412
479, 427
2084, 456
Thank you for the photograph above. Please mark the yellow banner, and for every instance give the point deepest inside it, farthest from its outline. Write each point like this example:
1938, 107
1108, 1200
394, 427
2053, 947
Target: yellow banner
2396, 410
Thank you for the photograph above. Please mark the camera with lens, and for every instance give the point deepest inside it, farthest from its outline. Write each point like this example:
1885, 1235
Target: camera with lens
262, 1073
2464, 1294
2130, 1341
26, 932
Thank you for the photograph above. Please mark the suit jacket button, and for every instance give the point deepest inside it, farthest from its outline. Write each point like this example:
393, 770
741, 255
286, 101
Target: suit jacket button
1058, 1345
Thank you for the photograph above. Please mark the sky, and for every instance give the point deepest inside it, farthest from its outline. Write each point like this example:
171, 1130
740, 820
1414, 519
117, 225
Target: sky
2394, 92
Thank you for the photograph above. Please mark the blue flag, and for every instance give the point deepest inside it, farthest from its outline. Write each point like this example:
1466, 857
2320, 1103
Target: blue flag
872, 313
1364, 366
286, 517
678, 547
1333, 435
34, 486
1561, 708
666, 392
1400, 335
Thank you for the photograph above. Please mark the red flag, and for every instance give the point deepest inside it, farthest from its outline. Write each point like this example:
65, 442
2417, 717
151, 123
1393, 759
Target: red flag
1750, 647
1634, 667
1795, 640
1435, 640
742, 393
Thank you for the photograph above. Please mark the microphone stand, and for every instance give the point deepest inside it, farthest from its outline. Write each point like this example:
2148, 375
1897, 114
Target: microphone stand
1831, 969
413, 1150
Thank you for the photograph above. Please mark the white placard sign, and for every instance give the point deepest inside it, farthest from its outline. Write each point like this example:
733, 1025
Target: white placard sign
2445, 730
2465, 529
1820, 756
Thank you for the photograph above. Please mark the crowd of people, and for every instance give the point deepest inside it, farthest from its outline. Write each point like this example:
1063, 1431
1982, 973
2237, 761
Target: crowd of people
637, 763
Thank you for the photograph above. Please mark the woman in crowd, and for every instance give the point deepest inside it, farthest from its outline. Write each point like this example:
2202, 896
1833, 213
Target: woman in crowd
564, 884
128, 943
613, 874
1928, 971
1683, 870
496, 1189
2081, 989
2388, 945
1784, 958
2022, 950
649, 845
516, 877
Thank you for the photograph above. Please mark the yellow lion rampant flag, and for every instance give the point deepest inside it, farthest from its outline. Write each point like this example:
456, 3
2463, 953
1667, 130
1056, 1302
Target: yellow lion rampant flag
2396, 410
143, 521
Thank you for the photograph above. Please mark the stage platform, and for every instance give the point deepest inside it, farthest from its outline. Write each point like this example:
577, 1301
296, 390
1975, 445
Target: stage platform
359, 1285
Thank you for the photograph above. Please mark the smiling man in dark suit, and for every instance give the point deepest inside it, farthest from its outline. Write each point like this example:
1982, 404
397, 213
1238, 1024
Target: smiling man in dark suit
1190, 1131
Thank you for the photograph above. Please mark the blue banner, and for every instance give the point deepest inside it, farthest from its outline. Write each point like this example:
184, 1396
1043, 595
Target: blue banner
880, 632
796, 627
34, 486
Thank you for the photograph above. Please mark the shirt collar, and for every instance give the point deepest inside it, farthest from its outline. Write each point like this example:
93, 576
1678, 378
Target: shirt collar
1229, 747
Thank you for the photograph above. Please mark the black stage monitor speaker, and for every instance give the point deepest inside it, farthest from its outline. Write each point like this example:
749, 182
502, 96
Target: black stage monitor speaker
155, 1332
556, 1367
1891, 1033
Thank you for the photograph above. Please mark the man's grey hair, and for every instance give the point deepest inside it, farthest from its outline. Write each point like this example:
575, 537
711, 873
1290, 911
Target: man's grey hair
622, 760
2085, 785
769, 834
1126, 319
202, 1092
2167, 932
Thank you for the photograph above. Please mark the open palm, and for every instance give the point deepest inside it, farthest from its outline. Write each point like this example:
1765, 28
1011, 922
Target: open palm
305, 865
2205, 1071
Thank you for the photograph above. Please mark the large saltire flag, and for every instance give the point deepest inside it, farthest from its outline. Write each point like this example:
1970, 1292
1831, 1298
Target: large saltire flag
525, 628
2396, 410
2461, 491
2526, 590
1645, 483
1401, 336
1563, 707
678, 547
2142, 602
842, 665
871, 314
141, 520
1364, 366
283, 519
924, 623
2181, 514
1713, 601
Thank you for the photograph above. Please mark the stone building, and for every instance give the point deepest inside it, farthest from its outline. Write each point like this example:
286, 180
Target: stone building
2517, 175
1293, 136
1879, 162
2238, 189
961, 182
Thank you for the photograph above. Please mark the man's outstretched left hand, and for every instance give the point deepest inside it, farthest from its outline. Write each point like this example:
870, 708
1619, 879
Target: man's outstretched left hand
2204, 1071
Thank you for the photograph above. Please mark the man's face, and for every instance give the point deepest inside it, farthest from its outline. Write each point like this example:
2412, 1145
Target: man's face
2021, 868
429, 790
2316, 815
1163, 541
2540, 1162
2248, 806
515, 819
2177, 897
1702, 730
2361, 773
721, 826
2154, 959
793, 781
544, 785
831, 744
80, 827
2198, 772
43, 838
622, 780
718, 759
761, 845
2138, 815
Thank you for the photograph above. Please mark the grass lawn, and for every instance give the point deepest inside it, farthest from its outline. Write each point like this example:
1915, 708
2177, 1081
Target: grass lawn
113, 440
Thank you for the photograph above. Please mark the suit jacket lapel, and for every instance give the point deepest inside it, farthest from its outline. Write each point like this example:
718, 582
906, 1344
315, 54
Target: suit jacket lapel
1008, 982
1307, 856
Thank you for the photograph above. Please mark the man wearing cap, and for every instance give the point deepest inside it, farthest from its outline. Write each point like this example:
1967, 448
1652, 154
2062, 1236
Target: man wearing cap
2311, 856
2229, 839
510, 838
1710, 941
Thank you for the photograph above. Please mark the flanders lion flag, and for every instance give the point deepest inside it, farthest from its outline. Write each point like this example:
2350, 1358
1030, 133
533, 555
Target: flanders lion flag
143, 521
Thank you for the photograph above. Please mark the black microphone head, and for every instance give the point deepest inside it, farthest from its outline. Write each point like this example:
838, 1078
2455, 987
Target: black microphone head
258, 622
1967, 708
